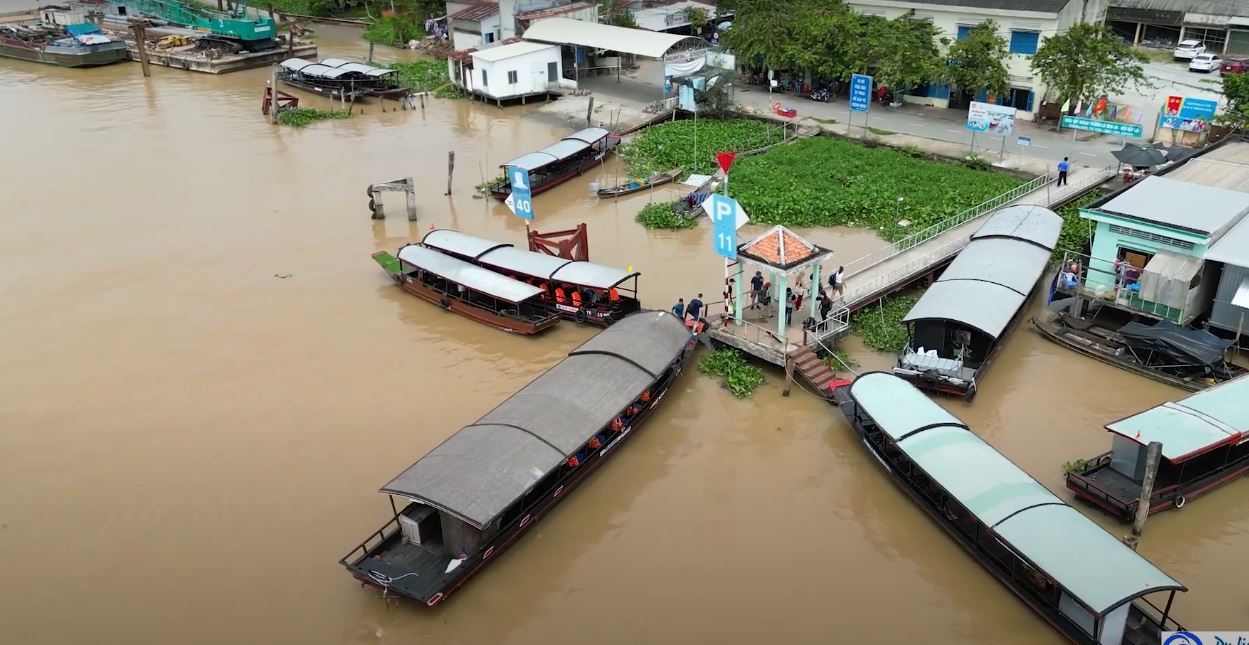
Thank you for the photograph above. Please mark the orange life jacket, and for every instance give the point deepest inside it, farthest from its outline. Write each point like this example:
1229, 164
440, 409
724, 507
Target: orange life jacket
576, 299
559, 296
646, 396
613, 295
573, 462
595, 443
617, 424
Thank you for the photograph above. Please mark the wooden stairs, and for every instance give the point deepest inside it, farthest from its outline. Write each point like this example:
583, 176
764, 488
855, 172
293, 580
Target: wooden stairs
815, 372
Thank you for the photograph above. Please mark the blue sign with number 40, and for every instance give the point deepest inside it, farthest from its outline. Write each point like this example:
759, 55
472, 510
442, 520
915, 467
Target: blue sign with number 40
522, 197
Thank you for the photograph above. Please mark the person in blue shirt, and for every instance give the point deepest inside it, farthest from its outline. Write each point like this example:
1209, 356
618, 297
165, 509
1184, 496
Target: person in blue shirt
1063, 167
679, 308
696, 307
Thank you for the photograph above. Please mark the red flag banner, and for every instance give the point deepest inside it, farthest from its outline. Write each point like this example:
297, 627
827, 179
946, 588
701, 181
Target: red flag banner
1173, 105
725, 159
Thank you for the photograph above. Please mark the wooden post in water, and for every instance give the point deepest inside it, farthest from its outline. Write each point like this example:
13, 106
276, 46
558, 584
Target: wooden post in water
450, 170
140, 37
370, 52
789, 374
589, 109
273, 92
1153, 454
409, 193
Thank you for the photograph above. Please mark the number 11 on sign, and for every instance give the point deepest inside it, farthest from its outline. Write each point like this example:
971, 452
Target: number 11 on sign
726, 242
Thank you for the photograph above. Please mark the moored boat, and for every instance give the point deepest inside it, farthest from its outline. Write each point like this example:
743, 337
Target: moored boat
1205, 444
80, 45
468, 290
1088, 585
637, 185
341, 79
480, 490
957, 327
560, 161
582, 291
1191, 359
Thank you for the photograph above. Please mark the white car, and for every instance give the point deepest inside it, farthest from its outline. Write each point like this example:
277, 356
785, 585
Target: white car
1204, 63
1189, 49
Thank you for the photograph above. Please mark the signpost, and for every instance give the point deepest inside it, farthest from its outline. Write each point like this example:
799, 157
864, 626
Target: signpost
521, 199
726, 217
861, 95
993, 119
1024, 142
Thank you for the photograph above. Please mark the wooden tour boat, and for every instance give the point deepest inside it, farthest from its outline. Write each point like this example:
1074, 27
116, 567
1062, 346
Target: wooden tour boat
81, 45
476, 493
959, 324
560, 161
633, 186
592, 283
341, 79
1087, 584
468, 290
1191, 359
1205, 444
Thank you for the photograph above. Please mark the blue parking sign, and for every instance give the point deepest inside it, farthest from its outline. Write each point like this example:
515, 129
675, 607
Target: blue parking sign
522, 198
860, 92
725, 241
723, 213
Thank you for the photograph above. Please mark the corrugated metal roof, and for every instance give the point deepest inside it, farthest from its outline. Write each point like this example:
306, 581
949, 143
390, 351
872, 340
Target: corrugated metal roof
487, 466
588, 274
588, 135
471, 276
985, 306
458, 243
1026, 222
1233, 247
1167, 201
564, 148
1192, 425
296, 64
1001, 261
567, 31
322, 71
510, 258
532, 160
513, 50
1088, 562
477, 12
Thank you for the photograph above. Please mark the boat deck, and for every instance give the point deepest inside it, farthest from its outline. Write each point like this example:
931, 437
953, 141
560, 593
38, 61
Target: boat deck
414, 569
1115, 484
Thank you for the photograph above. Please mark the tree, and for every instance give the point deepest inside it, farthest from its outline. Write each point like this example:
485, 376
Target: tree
1087, 62
977, 62
1236, 89
906, 52
697, 17
797, 35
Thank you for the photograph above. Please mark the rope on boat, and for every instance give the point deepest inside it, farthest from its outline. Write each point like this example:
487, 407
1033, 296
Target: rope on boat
385, 579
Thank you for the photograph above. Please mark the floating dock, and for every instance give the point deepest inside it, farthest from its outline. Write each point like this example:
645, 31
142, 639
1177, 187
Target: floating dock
187, 58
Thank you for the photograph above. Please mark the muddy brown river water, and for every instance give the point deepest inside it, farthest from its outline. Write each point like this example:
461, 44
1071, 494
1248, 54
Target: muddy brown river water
189, 442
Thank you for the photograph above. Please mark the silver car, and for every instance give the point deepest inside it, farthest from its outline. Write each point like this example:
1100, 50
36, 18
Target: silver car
1189, 49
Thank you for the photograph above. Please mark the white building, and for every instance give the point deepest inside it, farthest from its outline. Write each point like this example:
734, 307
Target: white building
481, 24
507, 72
1023, 23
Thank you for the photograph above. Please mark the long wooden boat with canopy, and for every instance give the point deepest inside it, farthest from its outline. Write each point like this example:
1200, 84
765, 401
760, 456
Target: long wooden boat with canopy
476, 493
582, 291
560, 161
959, 324
1091, 587
1205, 444
469, 290
341, 79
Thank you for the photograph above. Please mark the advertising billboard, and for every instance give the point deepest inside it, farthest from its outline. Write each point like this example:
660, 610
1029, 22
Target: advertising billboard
1103, 117
994, 119
1188, 114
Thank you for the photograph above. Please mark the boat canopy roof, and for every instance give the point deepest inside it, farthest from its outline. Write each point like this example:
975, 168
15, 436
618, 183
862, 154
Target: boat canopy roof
490, 464
470, 275
323, 71
1089, 563
531, 263
1214, 417
360, 68
1026, 222
296, 64
1175, 344
991, 278
564, 148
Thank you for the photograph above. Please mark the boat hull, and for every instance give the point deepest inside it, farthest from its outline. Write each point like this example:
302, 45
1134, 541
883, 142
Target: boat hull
359, 567
1093, 485
94, 56
620, 191
473, 312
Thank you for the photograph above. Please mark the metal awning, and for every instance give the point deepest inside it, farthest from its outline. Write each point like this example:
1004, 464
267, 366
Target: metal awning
335, 62
1194, 425
532, 160
295, 64
564, 149
490, 464
322, 71
1007, 262
1089, 563
457, 243
588, 274
512, 259
639, 42
1026, 222
471, 276
1166, 277
588, 135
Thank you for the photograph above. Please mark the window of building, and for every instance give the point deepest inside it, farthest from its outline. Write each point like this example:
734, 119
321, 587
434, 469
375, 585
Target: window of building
963, 30
1019, 98
1024, 42
511, 77
1145, 235
1213, 38
483, 78
489, 38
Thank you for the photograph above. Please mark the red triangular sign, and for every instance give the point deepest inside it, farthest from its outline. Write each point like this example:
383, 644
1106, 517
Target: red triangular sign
725, 159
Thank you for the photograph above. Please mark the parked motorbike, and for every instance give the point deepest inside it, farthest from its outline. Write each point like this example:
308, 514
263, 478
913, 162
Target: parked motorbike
820, 95
884, 96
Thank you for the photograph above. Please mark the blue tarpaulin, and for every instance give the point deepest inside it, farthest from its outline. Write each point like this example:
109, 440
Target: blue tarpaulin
83, 28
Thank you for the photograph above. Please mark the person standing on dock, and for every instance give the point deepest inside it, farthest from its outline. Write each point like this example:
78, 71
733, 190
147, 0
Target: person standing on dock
826, 305
838, 281
1063, 167
790, 301
696, 307
679, 308
756, 290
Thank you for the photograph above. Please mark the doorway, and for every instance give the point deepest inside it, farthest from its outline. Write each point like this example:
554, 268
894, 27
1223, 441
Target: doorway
552, 73
960, 99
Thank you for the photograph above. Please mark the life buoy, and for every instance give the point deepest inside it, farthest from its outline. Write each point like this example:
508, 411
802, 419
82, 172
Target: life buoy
581, 317
1180, 501
445, 301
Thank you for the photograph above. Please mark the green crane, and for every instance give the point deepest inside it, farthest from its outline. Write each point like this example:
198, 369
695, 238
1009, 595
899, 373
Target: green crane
233, 29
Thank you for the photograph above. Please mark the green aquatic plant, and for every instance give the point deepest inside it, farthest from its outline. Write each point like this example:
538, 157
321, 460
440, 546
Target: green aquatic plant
301, 117
881, 325
740, 377
660, 215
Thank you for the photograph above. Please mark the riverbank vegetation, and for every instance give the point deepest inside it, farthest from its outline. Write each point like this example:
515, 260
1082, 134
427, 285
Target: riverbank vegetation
301, 117
739, 376
693, 144
881, 325
427, 76
824, 181
1076, 232
659, 215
